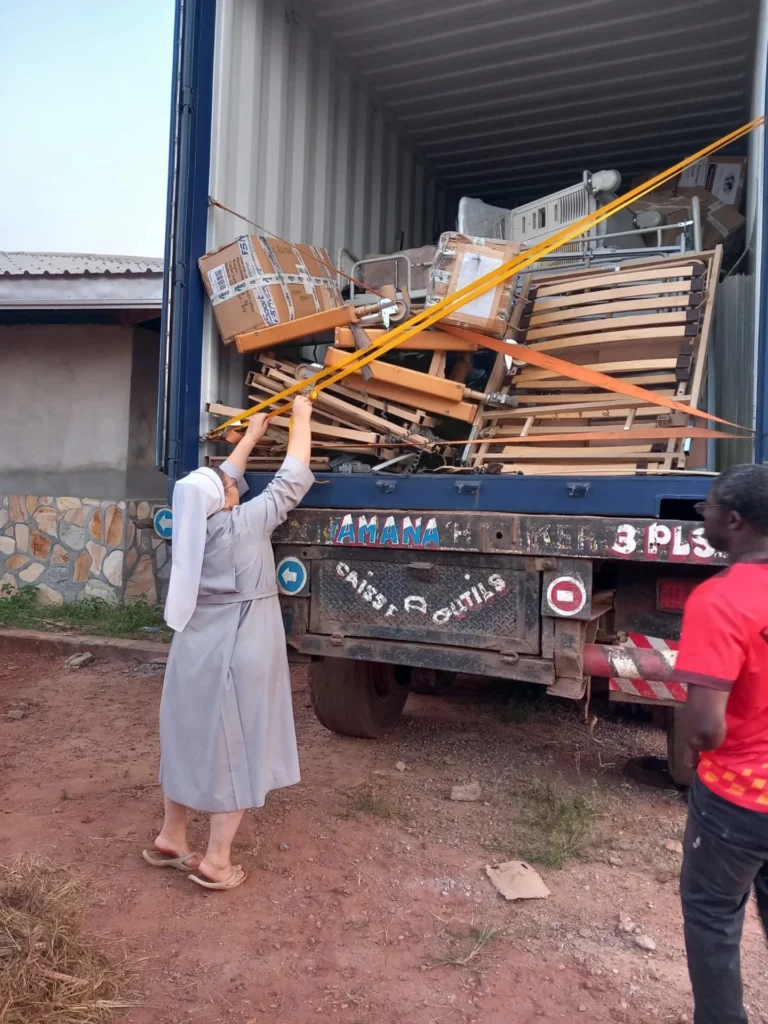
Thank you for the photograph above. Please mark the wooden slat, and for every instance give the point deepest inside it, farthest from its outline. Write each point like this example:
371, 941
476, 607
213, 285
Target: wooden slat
573, 468
610, 308
345, 410
702, 350
543, 454
627, 365
622, 291
561, 384
427, 341
256, 341
654, 334
422, 384
464, 411
281, 371
634, 275
649, 433
625, 323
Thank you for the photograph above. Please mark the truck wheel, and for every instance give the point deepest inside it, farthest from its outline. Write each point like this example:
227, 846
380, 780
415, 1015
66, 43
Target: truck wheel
357, 698
431, 681
681, 772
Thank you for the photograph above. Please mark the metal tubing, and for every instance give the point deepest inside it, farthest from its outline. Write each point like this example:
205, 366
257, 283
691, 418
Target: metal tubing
629, 662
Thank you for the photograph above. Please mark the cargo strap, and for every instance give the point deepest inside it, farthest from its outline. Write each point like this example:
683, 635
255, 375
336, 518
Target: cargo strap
353, 362
594, 378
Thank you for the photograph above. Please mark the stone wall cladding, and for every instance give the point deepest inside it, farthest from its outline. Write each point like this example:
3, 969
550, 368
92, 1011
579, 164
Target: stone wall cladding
75, 548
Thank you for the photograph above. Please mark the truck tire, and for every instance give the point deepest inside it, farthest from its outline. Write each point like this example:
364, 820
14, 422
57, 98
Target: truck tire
680, 771
431, 682
357, 698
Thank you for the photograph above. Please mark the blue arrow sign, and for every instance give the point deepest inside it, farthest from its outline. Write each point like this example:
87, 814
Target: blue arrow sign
291, 576
163, 522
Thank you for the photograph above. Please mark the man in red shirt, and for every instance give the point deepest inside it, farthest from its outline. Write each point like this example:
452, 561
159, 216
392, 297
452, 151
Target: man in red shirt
723, 658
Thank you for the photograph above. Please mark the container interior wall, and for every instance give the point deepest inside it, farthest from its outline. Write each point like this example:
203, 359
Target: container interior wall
732, 362
301, 150
737, 330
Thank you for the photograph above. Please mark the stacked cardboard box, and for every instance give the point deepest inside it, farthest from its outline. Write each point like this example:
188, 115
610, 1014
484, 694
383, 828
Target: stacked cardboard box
257, 282
719, 221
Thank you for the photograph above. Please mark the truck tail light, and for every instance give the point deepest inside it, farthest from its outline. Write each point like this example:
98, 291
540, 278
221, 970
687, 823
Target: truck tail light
671, 595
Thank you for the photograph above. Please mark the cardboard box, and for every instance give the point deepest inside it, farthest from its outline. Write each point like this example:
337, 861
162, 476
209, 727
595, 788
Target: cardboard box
722, 176
459, 261
719, 221
257, 282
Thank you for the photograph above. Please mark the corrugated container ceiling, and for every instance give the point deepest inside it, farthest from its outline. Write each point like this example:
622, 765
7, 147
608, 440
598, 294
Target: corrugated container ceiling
508, 100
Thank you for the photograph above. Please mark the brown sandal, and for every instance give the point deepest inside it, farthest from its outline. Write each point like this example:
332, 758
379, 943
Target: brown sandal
236, 879
156, 859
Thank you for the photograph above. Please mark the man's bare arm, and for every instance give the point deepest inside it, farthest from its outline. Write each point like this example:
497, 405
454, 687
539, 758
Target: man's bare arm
704, 719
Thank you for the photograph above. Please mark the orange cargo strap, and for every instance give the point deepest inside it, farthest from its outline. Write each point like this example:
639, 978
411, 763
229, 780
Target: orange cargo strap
592, 377
356, 360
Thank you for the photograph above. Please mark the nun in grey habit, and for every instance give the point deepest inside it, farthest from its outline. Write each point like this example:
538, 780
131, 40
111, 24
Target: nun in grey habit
227, 734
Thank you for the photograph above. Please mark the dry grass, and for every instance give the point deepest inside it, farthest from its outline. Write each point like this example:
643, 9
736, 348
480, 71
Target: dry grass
557, 826
480, 939
375, 803
50, 972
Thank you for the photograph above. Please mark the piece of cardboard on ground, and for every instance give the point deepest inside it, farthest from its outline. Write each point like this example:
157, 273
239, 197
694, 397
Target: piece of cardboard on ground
517, 880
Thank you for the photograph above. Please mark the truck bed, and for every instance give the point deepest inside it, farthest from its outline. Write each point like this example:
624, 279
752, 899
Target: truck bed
667, 497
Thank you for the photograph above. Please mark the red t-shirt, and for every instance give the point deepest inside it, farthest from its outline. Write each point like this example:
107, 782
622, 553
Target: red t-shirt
724, 645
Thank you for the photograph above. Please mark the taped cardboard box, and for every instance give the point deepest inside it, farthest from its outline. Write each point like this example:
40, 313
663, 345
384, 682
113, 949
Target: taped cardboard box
461, 260
719, 221
723, 176
257, 282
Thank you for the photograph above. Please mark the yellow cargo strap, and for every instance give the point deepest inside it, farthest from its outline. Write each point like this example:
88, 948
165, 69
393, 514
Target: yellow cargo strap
353, 362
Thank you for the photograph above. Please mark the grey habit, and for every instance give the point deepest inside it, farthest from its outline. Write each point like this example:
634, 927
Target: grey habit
227, 735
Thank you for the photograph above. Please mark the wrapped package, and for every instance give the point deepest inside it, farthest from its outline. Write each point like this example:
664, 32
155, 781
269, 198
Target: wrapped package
460, 260
257, 282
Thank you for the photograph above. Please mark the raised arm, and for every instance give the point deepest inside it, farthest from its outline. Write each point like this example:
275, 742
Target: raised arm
264, 513
257, 426
300, 441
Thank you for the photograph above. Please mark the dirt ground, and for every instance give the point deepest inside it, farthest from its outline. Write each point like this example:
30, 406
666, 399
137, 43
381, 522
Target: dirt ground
367, 900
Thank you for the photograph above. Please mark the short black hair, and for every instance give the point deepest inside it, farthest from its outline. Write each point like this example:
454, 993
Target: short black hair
744, 489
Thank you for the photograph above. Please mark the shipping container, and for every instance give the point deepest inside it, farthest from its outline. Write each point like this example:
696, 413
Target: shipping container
358, 126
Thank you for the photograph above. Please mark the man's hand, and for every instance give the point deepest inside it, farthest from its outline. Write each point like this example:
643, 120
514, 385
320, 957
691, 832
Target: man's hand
257, 427
302, 409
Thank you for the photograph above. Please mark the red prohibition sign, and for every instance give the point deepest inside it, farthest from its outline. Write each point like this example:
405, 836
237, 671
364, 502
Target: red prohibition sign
566, 595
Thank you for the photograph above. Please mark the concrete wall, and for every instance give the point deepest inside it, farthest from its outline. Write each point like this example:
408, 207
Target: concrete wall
143, 480
77, 411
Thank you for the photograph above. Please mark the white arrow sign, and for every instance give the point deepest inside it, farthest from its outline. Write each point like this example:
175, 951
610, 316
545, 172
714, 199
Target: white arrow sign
289, 576
163, 520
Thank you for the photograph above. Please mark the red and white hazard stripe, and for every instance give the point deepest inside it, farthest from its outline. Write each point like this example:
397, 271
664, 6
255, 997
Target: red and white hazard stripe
627, 679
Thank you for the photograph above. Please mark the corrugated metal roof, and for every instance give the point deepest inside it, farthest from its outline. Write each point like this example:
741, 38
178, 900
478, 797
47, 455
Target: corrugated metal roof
510, 100
38, 264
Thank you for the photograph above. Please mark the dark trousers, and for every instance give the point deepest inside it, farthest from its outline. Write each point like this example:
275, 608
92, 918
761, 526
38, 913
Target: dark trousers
725, 852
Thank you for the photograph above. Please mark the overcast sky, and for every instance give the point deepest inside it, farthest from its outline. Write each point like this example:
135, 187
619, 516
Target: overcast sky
85, 89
